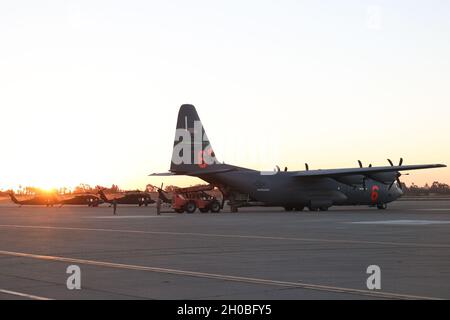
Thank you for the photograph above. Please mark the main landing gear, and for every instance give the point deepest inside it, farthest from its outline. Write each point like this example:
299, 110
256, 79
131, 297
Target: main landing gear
318, 208
294, 208
382, 206
309, 208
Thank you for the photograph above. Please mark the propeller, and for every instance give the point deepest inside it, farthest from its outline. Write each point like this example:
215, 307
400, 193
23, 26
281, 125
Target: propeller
397, 179
361, 165
399, 163
364, 179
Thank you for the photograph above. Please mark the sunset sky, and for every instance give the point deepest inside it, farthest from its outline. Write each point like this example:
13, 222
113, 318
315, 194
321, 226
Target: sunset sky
90, 90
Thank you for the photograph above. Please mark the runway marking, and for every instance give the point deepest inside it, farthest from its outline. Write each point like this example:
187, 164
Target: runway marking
23, 295
287, 284
431, 209
127, 217
211, 235
404, 222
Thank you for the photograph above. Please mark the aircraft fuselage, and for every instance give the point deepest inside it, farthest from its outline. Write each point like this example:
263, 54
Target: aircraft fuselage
284, 189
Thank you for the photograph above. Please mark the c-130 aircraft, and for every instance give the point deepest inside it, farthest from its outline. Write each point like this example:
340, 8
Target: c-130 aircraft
294, 190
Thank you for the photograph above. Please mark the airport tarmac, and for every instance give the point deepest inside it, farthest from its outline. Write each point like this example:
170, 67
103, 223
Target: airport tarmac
258, 253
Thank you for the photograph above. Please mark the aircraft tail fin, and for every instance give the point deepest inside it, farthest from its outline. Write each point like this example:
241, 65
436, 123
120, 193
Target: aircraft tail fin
163, 196
102, 195
13, 198
192, 151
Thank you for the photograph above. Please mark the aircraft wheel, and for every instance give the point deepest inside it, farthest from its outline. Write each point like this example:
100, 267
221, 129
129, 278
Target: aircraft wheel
215, 207
190, 207
313, 209
382, 206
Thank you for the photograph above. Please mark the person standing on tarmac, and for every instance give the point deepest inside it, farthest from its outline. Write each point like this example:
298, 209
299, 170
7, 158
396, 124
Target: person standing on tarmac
158, 206
114, 204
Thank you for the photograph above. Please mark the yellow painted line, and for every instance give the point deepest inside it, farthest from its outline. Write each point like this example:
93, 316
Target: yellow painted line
287, 284
23, 295
230, 236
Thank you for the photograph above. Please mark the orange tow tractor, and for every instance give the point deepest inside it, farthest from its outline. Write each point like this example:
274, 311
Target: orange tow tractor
192, 198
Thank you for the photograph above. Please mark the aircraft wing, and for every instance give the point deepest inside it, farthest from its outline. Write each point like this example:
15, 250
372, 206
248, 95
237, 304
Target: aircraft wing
333, 173
201, 172
209, 171
162, 174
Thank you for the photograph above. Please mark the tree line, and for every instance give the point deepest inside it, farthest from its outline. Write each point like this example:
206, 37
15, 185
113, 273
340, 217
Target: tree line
435, 188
